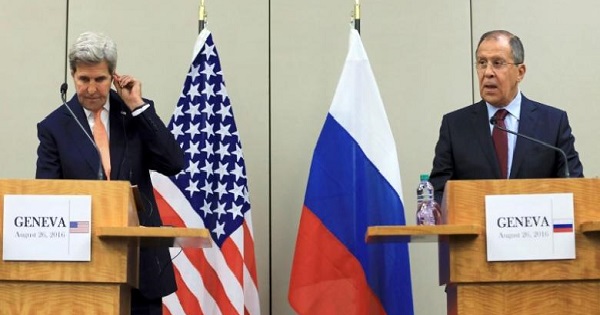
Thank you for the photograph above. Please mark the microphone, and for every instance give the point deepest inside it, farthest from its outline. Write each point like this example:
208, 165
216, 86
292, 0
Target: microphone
63, 91
547, 145
63, 96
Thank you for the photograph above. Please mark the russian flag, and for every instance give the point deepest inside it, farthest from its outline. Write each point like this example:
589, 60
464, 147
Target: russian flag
354, 182
562, 225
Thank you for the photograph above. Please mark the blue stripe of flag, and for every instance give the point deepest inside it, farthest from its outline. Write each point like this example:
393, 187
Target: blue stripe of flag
349, 194
563, 226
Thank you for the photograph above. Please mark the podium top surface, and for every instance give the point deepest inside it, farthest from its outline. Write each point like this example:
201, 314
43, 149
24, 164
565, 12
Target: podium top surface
397, 232
180, 237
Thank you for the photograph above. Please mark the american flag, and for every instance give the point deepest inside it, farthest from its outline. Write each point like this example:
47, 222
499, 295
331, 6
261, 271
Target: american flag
212, 193
79, 226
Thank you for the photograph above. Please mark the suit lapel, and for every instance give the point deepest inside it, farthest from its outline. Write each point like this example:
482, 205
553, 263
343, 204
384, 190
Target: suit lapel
87, 150
79, 139
527, 126
117, 135
481, 129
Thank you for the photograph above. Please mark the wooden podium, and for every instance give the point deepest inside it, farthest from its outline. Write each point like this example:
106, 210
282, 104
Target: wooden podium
100, 286
476, 286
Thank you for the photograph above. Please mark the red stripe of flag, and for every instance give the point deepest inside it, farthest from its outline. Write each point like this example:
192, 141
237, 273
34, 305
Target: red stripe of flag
249, 257
234, 259
187, 299
326, 277
212, 283
563, 229
168, 215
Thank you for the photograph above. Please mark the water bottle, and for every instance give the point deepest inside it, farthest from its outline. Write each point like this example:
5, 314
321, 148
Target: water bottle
428, 211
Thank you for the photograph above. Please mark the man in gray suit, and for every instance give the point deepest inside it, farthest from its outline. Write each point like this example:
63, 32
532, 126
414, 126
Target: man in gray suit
467, 149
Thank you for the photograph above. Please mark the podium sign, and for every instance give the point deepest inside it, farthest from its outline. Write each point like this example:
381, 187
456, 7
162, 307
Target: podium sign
47, 228
529, 227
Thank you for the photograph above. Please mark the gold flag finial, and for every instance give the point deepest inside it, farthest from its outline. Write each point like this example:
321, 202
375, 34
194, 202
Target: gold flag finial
357, 10
201, 17
356, 16
201, 13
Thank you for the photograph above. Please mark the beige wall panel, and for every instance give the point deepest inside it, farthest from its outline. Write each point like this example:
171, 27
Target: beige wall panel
155, 41
420, 54
309, 42
32, 37
561, 48
240, 31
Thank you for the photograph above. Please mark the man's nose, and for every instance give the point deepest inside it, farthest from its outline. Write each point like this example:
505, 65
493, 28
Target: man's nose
91, 89
488, 71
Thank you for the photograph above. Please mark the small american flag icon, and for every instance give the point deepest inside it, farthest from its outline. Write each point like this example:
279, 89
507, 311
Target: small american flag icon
79, 227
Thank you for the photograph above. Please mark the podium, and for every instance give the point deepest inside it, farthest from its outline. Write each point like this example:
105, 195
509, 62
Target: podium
476, 286
99, 286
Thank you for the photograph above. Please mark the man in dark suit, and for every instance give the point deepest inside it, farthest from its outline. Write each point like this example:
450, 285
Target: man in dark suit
135, 142
466, 148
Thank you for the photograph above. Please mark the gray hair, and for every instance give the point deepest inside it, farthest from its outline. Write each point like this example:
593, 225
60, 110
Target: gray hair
518, 53
92, 48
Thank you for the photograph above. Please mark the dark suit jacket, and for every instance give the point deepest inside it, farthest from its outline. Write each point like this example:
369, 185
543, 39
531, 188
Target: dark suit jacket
137, 145
465, 149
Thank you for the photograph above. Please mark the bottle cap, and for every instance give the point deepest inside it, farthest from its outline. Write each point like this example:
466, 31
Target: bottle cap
424, 177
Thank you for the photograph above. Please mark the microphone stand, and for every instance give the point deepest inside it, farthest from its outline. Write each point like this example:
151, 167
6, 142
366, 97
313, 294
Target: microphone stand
63, 96
567, 174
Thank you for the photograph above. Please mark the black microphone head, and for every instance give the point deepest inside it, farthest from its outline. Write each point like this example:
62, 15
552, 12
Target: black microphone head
63, 88
493, 120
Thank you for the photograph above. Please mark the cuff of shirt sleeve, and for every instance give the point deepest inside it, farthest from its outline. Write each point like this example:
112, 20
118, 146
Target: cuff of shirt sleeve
140, 109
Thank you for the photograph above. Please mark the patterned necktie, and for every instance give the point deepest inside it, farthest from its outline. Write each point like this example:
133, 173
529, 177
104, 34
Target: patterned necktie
101, 139
501, 142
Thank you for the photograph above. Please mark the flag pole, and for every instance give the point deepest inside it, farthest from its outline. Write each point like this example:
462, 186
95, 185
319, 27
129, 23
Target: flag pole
201, 17
357, 16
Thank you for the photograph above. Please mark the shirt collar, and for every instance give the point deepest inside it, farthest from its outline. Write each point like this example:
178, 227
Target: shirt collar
514, 107
88, 113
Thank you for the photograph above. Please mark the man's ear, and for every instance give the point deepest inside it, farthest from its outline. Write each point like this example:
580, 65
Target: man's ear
522, 69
